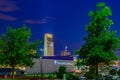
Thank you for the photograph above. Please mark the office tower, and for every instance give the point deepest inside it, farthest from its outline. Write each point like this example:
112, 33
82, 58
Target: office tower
48, 45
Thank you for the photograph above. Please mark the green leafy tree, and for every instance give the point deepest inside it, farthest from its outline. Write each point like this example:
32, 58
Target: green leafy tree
101, 42
91, 73
61, 71
15, 48
79, 60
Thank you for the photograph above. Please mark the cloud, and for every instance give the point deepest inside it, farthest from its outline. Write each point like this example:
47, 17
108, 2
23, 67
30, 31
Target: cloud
48, 17
42, 21
6, 17
8, 6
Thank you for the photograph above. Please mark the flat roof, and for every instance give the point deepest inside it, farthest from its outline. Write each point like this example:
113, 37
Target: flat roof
58, 57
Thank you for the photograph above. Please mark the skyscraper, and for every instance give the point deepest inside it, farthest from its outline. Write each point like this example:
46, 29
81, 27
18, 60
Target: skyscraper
48, 45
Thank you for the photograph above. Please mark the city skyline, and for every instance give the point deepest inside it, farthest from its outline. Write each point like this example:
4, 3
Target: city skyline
65, 19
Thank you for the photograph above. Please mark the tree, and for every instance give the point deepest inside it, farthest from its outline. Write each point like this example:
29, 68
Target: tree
79, 60
101, 42
15, 48
61, 71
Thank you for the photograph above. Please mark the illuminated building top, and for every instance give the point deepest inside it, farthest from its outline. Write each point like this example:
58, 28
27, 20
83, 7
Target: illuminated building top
48, 45
65, 52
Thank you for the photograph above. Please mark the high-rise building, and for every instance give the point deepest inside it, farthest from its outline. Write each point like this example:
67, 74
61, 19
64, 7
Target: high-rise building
48, 45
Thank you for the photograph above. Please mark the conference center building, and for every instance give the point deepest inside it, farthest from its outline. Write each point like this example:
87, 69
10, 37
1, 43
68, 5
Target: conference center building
50, 64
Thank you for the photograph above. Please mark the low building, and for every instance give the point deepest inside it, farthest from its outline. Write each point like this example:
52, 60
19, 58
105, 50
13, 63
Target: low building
65, 53
50, 64
8, 72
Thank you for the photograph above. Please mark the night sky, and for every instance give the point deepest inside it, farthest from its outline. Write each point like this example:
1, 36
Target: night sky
65, 19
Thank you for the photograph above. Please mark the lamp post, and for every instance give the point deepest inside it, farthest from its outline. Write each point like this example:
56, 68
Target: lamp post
41, 50
41, 66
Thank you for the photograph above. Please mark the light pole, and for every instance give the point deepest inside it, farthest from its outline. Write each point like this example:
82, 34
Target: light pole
41, 50
41, 66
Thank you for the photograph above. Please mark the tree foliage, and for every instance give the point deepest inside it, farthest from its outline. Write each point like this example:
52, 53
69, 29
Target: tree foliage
113, 72
101, 42
61, 71
15, 48
79, 62
118, 72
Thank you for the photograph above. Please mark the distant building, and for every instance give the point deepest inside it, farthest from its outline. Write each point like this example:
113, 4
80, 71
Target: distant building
8, 71
51, 64
48, 45
65, 52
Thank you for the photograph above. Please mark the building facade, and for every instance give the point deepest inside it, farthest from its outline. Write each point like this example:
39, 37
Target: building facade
65, 53
48, 45
50, 64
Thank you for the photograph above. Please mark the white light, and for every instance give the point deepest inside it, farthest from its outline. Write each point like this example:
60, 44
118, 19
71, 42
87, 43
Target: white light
63, 63
41, 49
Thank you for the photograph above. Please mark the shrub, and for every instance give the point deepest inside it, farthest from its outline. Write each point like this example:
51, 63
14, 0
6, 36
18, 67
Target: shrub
91, 73
70, 76
118, 72
61, 71
113, 72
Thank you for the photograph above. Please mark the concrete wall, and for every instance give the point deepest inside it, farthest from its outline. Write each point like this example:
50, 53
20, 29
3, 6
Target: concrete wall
49, 65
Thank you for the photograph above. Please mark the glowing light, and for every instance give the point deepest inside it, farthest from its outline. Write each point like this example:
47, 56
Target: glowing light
63, 63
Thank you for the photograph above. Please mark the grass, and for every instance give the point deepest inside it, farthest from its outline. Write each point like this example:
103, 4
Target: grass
49, 75
33, 76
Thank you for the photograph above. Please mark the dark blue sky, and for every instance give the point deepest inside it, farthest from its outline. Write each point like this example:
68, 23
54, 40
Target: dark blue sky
65, 19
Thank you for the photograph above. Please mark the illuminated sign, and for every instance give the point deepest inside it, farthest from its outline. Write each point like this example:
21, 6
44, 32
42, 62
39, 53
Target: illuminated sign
63, 63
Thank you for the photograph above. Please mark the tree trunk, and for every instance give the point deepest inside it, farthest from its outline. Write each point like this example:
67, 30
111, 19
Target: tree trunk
96, 78
13, 72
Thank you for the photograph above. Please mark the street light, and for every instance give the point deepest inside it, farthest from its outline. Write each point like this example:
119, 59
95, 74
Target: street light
41, 50
41, 66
